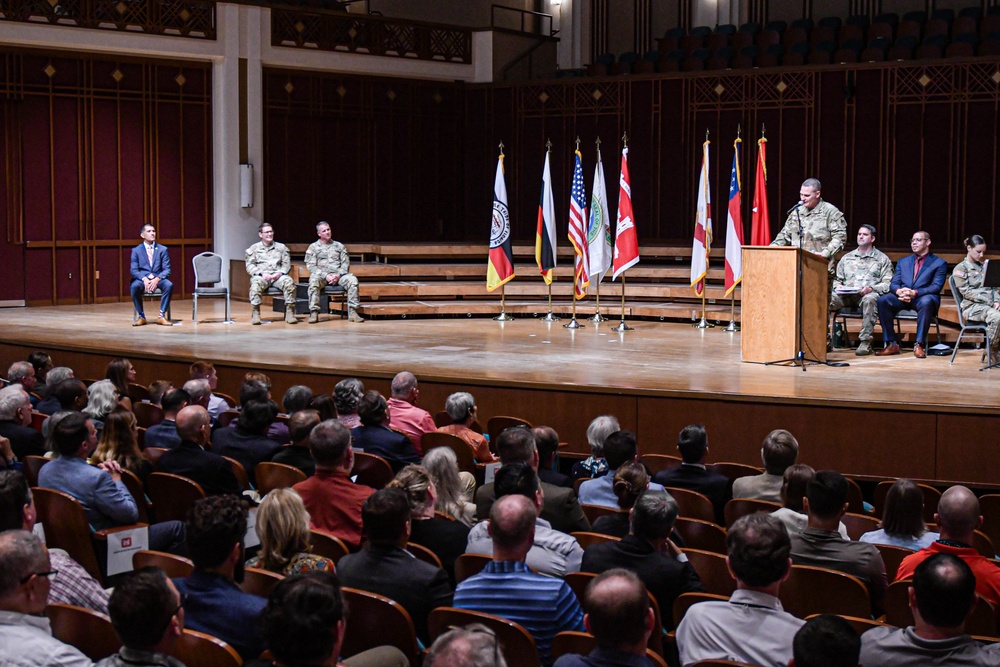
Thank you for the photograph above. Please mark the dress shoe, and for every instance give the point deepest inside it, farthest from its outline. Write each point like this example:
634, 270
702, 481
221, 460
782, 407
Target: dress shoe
139, 322
164, 321
864, 348
918, 351
892, 348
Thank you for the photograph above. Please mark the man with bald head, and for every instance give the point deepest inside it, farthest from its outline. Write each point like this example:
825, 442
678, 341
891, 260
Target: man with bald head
25, 633
958, 517
192, 460
506, 587
404, 415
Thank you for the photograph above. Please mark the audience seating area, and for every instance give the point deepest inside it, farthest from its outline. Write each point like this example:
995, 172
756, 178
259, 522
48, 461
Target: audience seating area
944, 33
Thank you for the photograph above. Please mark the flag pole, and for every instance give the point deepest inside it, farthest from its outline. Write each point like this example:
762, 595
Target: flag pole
732, 327
622, 326
503, 316
573, 324
597, 319
549, 317
704, 323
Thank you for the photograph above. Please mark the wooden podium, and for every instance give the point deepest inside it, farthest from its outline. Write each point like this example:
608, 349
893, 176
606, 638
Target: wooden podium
770, 298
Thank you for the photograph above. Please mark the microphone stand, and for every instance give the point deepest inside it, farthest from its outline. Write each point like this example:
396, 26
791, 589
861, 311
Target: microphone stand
800, 358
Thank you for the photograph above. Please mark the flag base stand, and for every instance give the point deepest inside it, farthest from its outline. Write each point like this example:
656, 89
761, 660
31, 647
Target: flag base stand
503, 317
597, 318
549, 317
622, 327
703, 324
573, 324
733, 327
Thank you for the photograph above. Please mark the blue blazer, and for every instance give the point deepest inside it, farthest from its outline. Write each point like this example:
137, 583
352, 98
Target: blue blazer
929, 281
140, 262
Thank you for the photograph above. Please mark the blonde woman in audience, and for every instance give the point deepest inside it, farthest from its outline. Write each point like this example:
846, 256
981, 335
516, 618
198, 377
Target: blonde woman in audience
283, 529
119, 443
903, 519
793, 490
631, 479
453, 492
444, 537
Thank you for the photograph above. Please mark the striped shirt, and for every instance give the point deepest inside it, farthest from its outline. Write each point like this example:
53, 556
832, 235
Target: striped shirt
542, 605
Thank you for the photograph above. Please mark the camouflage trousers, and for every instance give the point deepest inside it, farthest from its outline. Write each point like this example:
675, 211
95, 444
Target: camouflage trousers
869, 311
318, 281
982, 313
258, 287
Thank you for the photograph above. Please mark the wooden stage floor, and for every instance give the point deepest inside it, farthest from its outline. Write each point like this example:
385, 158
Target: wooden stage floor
895, 416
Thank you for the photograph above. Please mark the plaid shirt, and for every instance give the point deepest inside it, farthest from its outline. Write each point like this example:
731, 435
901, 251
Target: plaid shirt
73, 585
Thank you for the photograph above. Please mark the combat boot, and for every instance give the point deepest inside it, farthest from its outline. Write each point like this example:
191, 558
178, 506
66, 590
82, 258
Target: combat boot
290, 315
864, 348
353, 316
254, 314
313, 316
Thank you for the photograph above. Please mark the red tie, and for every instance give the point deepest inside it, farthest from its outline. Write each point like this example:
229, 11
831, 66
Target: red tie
916, 267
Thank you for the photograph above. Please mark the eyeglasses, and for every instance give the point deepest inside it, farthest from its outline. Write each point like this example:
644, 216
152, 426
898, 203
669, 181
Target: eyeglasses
26, 579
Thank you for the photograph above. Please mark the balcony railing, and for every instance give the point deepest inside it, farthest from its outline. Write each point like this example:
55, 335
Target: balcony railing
182, 18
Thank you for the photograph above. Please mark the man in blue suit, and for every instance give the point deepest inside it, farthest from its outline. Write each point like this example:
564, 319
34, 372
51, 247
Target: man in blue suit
150, 270
916, 284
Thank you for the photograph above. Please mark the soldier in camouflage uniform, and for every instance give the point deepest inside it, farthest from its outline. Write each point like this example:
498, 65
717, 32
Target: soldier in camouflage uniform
824, 230
268, 263
329, 264
869, 271
979, 304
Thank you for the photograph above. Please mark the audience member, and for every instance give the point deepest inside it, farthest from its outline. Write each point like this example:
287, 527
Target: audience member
121, 373
102, 399
296, 398
257, 387
404, 415
50, 402
561, 507
958, 518
620, 618
283, 529
199, 392
69, 394
119, 443
821, 545
446, 538
793, 492
826, 641
71, 584
248, 442
297, 453
475, 645
619, 447
213, 601
780, 450
903, 519
553, 553
331, 498
100, 490
25, 633
941, 598
692, 443
147, 613
204, 370
15, 423
42, 363
192, 459
461, 408
386, 568
346, 395
22, 373
631, 480
547, 442
751, 626
597, 432
311, 609
325, 406
165, 433
507, 587
452, 493
375, 437
648, 551
158, 389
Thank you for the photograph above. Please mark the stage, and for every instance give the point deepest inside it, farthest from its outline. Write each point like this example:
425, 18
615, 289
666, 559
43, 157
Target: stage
879, 416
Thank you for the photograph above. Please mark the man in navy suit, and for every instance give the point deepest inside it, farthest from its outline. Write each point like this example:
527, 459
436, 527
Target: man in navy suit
150, 270
916, 284
692, 442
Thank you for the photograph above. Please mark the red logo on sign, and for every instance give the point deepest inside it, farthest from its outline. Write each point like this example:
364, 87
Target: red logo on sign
126, 542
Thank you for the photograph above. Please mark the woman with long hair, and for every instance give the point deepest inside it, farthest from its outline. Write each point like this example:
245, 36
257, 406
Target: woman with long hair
444, 537
119, 443
442, 467
902, 519
121, 373
283, 529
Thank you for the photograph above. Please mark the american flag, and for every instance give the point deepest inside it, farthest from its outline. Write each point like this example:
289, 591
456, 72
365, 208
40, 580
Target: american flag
578, 231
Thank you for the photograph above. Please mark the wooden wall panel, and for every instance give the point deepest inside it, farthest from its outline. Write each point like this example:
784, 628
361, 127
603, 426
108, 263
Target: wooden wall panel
968, 448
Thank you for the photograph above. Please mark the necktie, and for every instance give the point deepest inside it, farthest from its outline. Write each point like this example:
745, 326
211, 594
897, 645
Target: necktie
916, 267
149, 254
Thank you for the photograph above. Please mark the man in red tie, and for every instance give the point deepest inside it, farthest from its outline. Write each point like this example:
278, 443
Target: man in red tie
916, 285
150, 268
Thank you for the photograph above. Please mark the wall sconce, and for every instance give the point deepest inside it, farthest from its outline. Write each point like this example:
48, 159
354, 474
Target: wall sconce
246, 185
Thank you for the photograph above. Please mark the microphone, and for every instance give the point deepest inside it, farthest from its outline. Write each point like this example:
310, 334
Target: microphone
797, 204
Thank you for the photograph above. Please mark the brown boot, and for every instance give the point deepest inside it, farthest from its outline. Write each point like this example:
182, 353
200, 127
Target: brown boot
290, 315
254, 314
